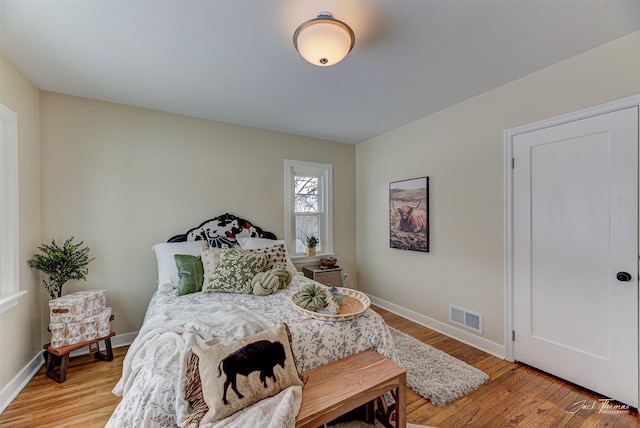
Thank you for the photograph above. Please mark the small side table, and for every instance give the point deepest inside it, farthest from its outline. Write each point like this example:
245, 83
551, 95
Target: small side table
56, 360
329, 276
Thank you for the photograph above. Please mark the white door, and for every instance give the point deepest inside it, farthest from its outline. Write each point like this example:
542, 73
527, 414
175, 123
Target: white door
575, 239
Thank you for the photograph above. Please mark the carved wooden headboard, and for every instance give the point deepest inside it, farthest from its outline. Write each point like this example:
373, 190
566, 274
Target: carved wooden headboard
222, 231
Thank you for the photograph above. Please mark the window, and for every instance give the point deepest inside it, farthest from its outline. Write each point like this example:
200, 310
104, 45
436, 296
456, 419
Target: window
9, 284
308, 206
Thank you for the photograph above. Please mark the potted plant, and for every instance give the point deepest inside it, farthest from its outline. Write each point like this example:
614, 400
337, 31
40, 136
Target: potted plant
311, 244
61, 264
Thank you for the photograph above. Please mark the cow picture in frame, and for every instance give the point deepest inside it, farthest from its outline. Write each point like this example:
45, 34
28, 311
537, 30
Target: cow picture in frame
409, 214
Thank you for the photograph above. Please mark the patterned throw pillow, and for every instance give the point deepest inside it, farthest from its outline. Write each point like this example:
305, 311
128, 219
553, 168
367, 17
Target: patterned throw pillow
235, 270
210, 258
276, 256
231, 376
190, 272
259, 244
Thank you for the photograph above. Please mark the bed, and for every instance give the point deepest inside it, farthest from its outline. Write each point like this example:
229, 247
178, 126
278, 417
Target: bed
154, 374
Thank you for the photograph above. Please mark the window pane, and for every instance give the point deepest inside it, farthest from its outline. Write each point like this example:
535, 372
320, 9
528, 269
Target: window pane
308, 205
306, 194
306, 225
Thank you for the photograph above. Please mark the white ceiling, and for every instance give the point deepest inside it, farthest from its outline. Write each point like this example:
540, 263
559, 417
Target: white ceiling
234, 60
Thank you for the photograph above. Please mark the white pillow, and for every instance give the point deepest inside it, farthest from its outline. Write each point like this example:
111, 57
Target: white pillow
167, 269
258, 243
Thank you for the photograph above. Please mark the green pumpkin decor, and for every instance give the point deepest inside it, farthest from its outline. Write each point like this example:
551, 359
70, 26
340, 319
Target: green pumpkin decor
312, 297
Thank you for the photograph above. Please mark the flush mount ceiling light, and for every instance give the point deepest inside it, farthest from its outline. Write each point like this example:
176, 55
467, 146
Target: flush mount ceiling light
324, 40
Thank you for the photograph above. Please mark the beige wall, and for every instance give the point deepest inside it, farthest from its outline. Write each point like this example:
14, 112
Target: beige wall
20, 328
122, 178
461, 150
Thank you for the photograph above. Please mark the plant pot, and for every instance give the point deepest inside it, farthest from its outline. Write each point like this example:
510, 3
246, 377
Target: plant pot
310, 251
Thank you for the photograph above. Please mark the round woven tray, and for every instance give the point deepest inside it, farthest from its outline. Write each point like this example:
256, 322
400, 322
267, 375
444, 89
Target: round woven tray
354, 303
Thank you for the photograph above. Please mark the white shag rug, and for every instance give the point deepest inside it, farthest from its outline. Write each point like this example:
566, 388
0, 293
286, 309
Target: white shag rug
433, 374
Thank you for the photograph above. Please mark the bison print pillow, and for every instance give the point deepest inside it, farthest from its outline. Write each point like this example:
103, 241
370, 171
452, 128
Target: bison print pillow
237, 374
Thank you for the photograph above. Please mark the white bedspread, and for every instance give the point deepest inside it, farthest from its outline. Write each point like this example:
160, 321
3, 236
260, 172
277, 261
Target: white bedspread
153, 378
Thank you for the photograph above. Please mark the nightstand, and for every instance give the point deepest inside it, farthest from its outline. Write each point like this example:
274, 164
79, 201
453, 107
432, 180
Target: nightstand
330, 276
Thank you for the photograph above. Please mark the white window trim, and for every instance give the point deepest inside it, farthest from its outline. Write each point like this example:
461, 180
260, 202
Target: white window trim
325, 171
9, 242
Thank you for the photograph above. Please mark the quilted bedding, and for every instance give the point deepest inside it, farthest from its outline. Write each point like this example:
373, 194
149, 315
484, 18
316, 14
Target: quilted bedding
153, 377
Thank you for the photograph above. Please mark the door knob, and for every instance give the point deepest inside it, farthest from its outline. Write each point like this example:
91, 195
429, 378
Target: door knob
623, 276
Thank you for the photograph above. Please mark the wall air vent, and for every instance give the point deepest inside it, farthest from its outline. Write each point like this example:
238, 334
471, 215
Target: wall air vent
465, 318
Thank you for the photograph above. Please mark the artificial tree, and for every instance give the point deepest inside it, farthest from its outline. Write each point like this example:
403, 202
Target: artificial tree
61, 264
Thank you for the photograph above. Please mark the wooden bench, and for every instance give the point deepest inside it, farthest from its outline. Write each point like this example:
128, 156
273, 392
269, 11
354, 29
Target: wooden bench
339, 387
56, 360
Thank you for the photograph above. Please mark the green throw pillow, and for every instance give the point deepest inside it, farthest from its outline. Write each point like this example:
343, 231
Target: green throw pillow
235, 270
190, 272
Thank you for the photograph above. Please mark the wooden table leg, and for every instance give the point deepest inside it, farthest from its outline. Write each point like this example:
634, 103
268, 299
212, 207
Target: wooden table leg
401, 403
109, 351
370, 412
52, 361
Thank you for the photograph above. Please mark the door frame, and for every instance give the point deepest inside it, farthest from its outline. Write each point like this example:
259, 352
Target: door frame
509, 136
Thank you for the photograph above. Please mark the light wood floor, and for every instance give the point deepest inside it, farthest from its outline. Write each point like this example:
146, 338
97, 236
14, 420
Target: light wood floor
515, 396
83, 400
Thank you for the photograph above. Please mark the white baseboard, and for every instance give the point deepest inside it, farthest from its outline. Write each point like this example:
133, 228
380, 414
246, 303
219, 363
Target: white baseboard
446, 329
14, 387
21, 380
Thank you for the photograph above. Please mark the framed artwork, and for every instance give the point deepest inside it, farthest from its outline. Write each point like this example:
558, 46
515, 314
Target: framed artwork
409, 214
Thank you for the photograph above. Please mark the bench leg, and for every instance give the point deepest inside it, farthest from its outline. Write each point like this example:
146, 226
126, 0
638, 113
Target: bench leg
384, 413
370, 412
401, 406
53, 361
395, 412
109, 351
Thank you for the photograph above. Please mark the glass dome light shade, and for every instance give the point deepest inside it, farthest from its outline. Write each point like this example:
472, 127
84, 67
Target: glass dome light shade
324, 41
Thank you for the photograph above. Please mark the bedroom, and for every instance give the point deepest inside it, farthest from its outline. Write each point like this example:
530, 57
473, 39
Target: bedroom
129, 155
